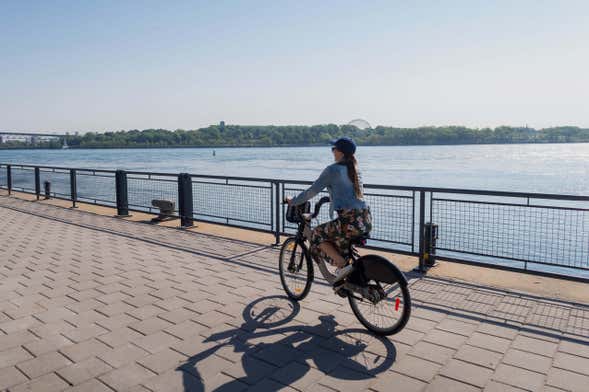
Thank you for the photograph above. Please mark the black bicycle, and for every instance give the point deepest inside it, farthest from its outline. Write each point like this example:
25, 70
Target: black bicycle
376, 289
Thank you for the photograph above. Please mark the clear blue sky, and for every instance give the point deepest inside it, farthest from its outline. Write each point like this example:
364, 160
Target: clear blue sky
110, 65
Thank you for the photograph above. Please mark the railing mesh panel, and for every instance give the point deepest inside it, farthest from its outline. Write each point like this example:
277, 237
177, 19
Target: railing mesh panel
96, 187
142, 189
3, 177
60, 182
537, 234
239, 202
23, 179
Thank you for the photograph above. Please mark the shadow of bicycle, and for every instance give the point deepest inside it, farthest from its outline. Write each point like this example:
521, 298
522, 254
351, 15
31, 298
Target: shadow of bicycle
353, 354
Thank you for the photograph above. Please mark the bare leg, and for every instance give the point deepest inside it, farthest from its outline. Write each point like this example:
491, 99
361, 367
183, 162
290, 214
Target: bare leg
333, 254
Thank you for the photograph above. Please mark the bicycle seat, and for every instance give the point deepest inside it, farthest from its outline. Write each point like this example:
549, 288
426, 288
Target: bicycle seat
360, 240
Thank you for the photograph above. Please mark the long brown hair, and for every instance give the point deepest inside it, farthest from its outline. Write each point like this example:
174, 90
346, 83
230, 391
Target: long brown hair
352, 165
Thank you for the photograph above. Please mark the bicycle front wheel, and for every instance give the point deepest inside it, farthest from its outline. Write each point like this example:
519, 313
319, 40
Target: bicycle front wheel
296, 269
391, 312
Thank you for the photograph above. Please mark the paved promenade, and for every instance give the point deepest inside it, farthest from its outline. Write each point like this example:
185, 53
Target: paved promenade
94, 303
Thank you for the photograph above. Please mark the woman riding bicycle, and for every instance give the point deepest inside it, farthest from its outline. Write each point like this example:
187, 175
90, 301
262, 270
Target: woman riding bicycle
343, 182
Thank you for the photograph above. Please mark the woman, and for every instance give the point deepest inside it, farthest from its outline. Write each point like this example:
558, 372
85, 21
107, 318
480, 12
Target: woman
345, 188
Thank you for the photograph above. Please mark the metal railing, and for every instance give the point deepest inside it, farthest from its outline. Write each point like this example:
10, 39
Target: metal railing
539, 233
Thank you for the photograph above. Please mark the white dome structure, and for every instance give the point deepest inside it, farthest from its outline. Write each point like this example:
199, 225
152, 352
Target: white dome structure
360, 124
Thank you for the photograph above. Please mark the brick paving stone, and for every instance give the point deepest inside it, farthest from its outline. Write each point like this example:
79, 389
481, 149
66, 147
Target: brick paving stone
479, 356
416, 368
173, 381
20, 324
150, 325
178, 316
10, 376
85, 332
116, 322
419, 324
445, 339
456, 326
518, 377
396, 381
249, 370
162, 361
119, 337
495, 386
408, 336
571, 363
83, 371
443, 384
536, 346
47, 344
47, 383
522, 359
269, 385
83, 350
574, 348
122, 355
467, 373
52, 329
126, 376
186, 330
297, 375
342, 379
489, 342
43, 364
92, 385
432, 352
502, 331
568, 381
13, 356
156, 341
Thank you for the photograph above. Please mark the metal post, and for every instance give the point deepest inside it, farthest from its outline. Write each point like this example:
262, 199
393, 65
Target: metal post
38, 183
277, 212
73, 187
185, 200
122, 196
9, 179
422, 250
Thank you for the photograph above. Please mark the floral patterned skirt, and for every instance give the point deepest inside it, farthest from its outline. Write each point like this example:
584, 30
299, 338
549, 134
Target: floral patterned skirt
349, 224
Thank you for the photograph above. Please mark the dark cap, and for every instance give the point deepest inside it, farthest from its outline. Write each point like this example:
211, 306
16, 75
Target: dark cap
345, 145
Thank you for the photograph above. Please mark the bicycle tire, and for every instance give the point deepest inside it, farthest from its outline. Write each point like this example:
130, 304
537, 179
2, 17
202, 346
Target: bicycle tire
305, 266
388, 272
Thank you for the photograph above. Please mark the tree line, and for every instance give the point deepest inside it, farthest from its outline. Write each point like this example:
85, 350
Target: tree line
268, 136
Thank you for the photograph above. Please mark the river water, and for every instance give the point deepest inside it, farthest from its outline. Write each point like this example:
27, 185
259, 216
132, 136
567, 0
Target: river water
558, 236
543, 168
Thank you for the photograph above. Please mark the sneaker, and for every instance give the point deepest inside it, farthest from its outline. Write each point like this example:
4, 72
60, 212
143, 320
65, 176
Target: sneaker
342, 272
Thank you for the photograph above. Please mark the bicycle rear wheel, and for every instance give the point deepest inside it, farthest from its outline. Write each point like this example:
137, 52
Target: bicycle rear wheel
390, 314
296, 269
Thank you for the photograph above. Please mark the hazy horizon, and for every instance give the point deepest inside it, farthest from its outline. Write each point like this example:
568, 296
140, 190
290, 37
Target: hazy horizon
77, 66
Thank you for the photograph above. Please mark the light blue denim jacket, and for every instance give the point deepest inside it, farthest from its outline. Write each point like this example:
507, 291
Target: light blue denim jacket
341, 189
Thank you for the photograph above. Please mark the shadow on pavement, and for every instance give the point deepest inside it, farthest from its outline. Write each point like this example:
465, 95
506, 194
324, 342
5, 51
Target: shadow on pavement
352, 354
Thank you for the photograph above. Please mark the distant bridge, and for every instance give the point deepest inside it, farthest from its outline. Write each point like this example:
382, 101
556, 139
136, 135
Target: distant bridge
14, 133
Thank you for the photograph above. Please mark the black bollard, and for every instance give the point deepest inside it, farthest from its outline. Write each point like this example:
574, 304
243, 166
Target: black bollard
47, 185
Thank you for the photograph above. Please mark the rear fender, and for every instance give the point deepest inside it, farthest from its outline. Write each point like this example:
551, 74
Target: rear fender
380, 269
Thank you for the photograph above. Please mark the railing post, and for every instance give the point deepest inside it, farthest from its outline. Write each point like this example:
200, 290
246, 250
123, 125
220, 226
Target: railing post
121, 190
185, 208
277, 207
73, 187
9, 179
422, 268
38, 183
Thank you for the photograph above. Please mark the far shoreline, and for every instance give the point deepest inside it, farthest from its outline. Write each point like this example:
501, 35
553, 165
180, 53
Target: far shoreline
280, 146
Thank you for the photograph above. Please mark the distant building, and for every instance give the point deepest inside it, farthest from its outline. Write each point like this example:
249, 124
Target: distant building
222, 125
